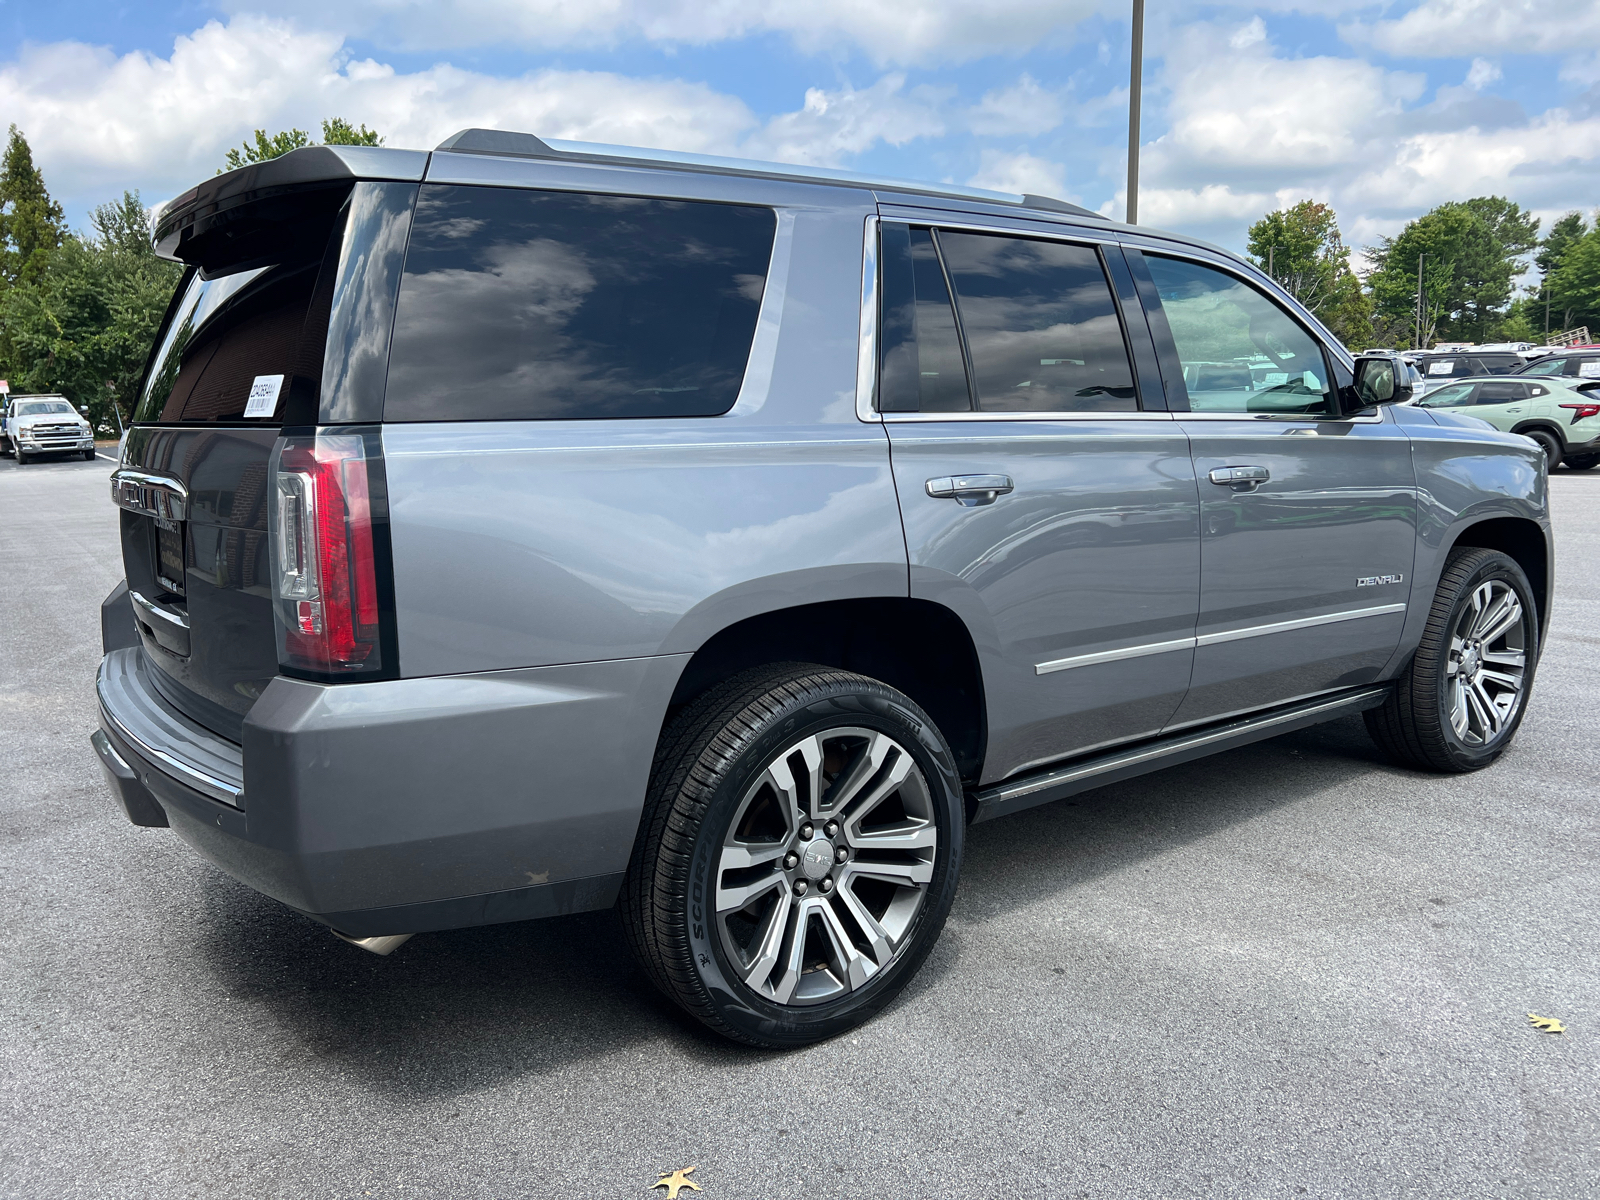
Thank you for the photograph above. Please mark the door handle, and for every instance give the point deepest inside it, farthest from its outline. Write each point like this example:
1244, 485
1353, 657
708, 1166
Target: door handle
969, 491
1240, 479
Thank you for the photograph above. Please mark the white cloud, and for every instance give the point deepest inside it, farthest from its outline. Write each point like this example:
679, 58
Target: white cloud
1482, 73
1250, 130
1452, 28
887, 31
99, 123
1021, 172
1025, 109
833, 126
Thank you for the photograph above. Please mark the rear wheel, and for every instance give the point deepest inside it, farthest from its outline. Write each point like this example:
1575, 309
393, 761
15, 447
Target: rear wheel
802, 839
1549, 443
1460, 702
1581, 462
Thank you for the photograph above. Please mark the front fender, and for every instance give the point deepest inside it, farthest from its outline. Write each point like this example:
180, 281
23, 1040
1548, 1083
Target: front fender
1467, 473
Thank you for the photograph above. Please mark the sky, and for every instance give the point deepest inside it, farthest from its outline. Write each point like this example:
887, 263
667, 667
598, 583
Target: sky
1382, 110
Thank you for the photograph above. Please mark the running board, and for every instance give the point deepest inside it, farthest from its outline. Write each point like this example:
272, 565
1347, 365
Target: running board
1068, 779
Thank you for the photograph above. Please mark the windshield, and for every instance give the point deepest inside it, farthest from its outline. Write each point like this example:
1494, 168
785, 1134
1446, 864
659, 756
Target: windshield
40, 408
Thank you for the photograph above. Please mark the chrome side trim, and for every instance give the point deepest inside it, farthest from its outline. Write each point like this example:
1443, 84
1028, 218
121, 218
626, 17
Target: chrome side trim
867, 343
149, 495
156, 611
1210, 639
757, 384
1105, 656
1044, 786
1234, 635
1301, 420
1149, 415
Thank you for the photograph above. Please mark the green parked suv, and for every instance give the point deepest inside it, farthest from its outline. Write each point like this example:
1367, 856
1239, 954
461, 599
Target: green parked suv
1562, 415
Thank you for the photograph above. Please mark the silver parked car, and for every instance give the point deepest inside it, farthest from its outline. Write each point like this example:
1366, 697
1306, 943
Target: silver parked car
527, 528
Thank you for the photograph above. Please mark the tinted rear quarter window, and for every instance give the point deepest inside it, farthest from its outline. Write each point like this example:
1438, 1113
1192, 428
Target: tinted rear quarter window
519, 305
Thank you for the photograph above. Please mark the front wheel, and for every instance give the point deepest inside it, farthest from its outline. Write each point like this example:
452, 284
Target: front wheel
22, 459
1549, 443
88, 456
799, 854
1460, 702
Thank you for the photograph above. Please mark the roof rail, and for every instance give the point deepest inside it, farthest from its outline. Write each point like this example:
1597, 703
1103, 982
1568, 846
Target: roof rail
507, 143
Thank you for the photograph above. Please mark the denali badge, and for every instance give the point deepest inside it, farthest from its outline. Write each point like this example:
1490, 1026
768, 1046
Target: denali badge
1379, 580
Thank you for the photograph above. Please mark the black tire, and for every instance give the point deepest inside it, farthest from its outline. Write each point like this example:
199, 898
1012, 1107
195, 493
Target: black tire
22, 459
710, 767
1549, 443
1581, 462
1414, 726
88, 456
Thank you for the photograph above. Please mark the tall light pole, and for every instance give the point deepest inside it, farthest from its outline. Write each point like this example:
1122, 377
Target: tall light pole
1135, 74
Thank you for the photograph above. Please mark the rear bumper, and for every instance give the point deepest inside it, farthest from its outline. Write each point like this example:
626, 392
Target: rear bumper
407, 805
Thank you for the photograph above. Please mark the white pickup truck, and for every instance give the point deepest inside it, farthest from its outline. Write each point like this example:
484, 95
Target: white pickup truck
44, 425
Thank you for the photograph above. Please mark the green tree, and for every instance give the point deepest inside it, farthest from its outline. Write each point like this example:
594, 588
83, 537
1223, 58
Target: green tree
1302, 248
1473, 251
1575, 284
1560, 305
83, 326
31, 223
336, 131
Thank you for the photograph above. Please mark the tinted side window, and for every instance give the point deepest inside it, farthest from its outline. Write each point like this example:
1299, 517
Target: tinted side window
922, 365
520, 305
1543, 366
1041, 326
1500, 392
1240, 351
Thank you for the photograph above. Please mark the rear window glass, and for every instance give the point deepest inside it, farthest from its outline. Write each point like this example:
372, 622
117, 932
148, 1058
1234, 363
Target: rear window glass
520, 305
228, 337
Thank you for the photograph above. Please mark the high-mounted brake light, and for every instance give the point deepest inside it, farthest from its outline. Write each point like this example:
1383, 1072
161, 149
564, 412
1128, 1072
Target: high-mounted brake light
324, 577
1580, 411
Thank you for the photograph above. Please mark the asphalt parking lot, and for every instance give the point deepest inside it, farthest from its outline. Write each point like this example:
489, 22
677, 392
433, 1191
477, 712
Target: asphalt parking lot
1291, 970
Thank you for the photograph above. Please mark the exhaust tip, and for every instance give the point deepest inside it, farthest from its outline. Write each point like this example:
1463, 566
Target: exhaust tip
377, 945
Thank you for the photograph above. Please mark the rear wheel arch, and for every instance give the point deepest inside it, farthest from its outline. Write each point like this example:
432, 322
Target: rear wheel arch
1522, 540
1542, 425
915, 646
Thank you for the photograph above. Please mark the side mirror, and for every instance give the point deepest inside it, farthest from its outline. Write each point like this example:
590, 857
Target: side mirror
84, 409
1382, 379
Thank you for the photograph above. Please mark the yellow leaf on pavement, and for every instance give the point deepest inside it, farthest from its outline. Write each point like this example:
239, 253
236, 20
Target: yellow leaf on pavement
675, 1182
1547, 1024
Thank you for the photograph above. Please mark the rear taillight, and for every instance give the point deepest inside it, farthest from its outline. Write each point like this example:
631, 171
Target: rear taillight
324, 566
1580, 411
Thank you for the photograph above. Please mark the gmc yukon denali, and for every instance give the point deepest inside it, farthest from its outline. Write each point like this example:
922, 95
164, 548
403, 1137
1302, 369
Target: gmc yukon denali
528, 527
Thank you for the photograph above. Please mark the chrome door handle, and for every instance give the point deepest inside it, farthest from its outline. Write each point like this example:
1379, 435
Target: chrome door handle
1240, 479
969, 491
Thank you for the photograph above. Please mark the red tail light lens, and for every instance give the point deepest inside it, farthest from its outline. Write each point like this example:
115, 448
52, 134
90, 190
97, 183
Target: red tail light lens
1580, 411
325, 584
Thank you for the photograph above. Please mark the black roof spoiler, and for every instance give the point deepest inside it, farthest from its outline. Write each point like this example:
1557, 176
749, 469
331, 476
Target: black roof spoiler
200, 226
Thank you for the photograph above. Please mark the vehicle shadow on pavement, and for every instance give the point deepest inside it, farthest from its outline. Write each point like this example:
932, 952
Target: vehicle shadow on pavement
451, 1012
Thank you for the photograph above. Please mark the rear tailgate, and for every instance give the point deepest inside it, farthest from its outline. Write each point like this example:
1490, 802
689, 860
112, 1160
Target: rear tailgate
240, 359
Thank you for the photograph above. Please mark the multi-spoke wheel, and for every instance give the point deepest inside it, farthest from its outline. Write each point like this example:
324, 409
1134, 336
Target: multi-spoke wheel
1459, 703
799, 854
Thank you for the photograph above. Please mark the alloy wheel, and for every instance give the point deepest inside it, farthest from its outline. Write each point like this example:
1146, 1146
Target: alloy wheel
1487, 667
825, 865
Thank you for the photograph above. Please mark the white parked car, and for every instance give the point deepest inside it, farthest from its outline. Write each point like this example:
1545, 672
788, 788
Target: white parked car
45, 425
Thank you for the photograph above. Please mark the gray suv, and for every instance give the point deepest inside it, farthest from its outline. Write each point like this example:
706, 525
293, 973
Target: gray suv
528, 528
